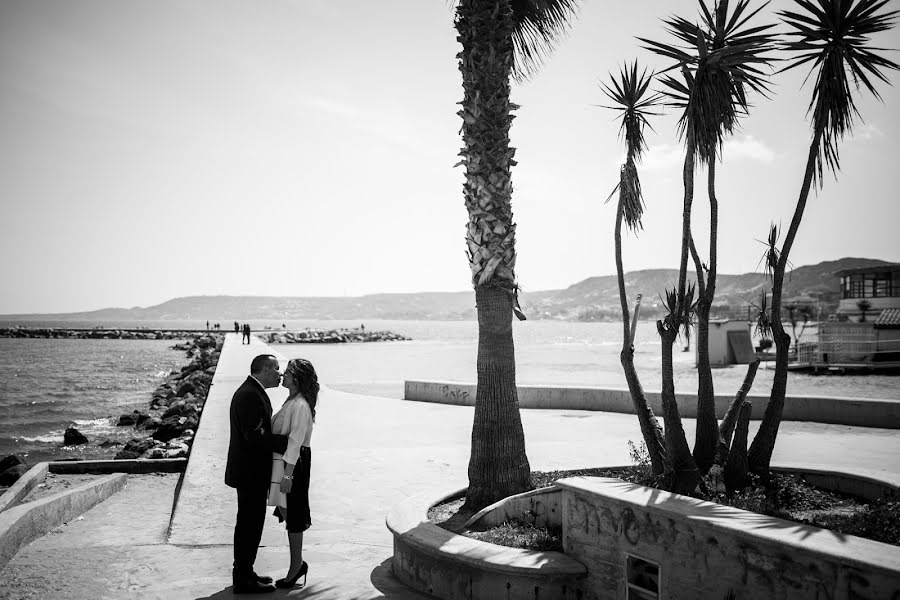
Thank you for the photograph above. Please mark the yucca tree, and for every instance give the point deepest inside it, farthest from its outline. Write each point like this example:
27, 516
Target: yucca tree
723, 59
634, 103
832, 37
501, 39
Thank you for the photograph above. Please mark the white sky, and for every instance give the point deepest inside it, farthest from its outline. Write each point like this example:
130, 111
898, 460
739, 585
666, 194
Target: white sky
155, 149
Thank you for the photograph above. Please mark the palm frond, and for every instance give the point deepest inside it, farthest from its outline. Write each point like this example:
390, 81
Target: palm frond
539, 26
631, 100
721, 59
832, 37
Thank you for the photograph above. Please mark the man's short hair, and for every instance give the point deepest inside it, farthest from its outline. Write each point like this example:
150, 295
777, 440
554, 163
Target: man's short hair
259, 363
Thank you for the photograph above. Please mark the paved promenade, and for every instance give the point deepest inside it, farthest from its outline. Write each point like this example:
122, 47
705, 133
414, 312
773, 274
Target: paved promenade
369, 453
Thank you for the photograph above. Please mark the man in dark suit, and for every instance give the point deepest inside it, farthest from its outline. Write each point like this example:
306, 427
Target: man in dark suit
249, 468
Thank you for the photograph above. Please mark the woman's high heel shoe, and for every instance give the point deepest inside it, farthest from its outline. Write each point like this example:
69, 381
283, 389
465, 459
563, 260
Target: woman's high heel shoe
289, 583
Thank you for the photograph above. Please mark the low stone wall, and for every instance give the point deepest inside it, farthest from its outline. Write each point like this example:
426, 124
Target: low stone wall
860, 412
448, 566
635, 538
21, 524
541, 508
23, 486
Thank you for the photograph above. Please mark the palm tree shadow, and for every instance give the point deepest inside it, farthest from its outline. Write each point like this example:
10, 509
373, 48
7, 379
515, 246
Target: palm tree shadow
725, 514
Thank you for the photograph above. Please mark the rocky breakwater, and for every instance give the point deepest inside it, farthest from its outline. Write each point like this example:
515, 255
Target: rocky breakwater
166, 429
96, 333
329, 336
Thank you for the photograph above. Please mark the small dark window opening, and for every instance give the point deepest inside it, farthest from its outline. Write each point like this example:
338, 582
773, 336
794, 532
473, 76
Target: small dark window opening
642, 578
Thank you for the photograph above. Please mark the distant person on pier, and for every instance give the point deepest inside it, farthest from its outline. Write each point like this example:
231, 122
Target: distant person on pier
246, 338
289, 490
237, 328
247, 470
207, 325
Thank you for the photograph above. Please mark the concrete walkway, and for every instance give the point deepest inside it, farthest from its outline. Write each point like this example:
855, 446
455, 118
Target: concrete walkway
369, 453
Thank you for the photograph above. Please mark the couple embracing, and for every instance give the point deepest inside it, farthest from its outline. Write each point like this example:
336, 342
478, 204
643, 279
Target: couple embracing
269, 463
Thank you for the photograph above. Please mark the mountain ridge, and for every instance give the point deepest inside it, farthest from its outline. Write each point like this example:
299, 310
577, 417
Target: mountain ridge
592, 299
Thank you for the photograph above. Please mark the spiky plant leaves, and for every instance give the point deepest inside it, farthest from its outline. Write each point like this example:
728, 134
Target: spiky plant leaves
832, 37
629, 94
721, 60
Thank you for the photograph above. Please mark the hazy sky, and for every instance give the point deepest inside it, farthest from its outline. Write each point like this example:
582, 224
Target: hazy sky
155, 149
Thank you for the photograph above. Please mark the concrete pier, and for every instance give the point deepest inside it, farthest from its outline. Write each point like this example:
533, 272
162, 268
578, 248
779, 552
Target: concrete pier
368, 454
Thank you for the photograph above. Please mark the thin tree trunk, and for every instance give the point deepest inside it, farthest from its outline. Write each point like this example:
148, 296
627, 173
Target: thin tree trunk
763, 445
498, 466
736, 470
684, 475
706, 439
726, 427
650, 429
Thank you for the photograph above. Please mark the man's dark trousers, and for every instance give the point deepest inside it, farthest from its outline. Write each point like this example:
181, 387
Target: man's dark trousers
248, 529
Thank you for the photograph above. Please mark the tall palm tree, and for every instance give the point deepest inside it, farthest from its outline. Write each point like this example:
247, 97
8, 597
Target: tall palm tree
832, 36
631, 99
500, 39
720, 64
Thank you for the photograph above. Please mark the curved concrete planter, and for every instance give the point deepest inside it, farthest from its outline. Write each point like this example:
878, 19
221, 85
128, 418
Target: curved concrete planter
449, 566
21, 524
453, 567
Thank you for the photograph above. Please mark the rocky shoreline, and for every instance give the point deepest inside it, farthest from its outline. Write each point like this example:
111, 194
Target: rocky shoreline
166, 429
306, 336
329, 336
98, 333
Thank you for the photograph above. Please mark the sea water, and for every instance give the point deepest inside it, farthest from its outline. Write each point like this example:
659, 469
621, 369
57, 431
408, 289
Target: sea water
47, 385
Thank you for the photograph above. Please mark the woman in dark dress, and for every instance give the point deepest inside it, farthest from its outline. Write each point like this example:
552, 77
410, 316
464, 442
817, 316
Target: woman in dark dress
289, 491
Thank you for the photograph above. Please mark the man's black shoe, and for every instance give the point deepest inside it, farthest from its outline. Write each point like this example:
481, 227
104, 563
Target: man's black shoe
252, 587
263, 579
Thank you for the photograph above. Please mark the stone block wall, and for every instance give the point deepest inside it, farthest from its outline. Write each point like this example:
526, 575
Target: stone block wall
683, 548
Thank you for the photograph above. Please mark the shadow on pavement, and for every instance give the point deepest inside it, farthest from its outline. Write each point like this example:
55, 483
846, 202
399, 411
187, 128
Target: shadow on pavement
311, 590
382, 577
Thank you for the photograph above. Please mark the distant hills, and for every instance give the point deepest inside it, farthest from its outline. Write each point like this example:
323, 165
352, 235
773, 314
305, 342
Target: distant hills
594, 299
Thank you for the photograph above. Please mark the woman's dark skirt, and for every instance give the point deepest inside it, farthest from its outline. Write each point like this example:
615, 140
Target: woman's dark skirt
298, 518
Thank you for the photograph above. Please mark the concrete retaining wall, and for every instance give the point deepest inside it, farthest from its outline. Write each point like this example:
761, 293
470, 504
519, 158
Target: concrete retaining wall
134, 466
453, 567
25, 484
22, 524
632, 537
861, 412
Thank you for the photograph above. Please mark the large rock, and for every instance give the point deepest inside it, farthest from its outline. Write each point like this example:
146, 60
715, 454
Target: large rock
73, 437
134, 418
150, 424
173, 426
126, 455
139, 445
10, 461
12, 474
180, 409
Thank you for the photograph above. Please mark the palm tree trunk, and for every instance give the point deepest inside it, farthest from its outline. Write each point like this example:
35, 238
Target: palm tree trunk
706, 439
498, 465
650, 429
685, 474
763, 445
726, 427
736, 471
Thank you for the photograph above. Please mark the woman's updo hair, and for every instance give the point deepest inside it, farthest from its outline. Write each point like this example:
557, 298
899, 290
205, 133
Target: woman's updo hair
307, 380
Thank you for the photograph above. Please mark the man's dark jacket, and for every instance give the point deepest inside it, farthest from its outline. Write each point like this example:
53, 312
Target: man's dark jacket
252, 441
